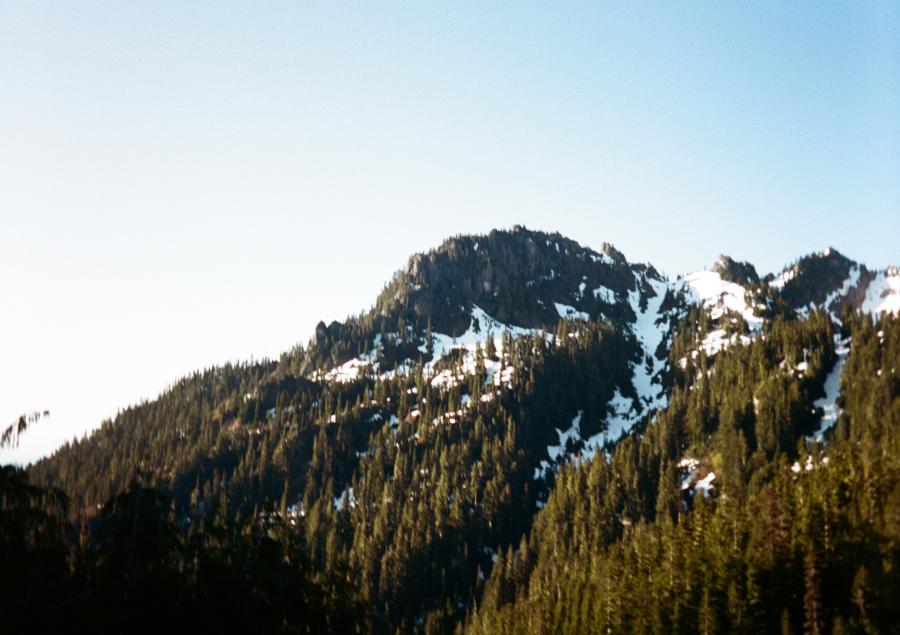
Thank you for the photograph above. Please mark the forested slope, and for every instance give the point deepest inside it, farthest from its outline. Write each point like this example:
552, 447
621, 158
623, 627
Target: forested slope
521, 435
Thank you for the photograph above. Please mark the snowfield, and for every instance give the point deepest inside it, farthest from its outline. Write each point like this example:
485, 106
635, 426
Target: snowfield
720, 296
883, 293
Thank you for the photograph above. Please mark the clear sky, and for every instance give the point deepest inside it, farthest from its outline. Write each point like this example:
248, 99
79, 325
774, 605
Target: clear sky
183, 183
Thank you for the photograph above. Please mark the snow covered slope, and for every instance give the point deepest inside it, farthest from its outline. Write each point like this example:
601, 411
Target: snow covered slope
883, 293
650, 328
720, 297
522, 283
829, 280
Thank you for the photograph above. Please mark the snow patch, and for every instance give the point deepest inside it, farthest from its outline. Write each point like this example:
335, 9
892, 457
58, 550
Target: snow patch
480, 325
689, 482
346, 498
705, 485
603, 258
570, 313
828, 403
573, 433
809, 465
622, 416
719, 339
605, 294
783, 278
720, 296
883, 294
689, 467
851, 281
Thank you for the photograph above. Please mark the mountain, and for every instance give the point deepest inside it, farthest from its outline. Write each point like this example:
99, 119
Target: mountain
832, 281
517, 409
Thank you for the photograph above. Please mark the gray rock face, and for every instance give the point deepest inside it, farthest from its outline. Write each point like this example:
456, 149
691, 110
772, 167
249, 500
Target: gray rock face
742, 273
517, 276
532, 279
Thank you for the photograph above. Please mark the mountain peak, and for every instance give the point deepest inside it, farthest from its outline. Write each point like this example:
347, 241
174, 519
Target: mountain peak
608, 250
731, 270
527, 280
814, 278
516, 275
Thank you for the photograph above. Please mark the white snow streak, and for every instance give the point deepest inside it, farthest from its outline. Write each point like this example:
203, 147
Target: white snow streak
832, 389
650, 335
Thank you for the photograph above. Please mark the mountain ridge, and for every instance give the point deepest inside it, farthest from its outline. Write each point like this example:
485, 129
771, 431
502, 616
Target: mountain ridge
812, 279
816, 280
428, 434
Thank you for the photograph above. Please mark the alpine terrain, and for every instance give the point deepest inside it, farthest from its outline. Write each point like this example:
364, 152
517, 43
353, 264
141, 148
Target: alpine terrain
521, 435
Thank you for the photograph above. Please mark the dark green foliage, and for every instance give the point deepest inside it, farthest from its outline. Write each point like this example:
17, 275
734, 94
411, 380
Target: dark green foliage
134, 569
433, 495
775, 549
34, 537
271, 500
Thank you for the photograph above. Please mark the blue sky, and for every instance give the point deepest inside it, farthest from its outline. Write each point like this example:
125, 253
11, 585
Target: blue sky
185, 183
